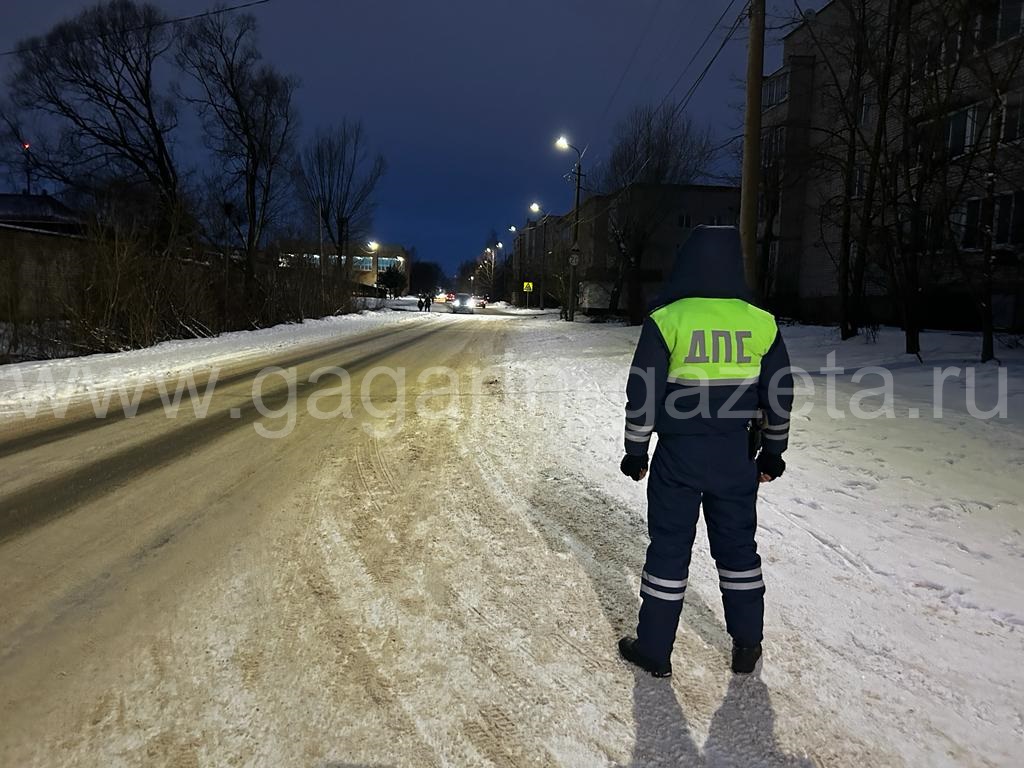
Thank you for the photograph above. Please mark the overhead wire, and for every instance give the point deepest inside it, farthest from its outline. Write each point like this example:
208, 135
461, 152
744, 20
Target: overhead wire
138, 28
684, 102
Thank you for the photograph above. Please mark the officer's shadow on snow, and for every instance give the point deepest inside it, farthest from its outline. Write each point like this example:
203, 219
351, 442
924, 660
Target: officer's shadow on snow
742, 731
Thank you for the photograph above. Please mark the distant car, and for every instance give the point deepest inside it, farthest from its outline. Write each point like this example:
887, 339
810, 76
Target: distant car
462, 302
480, 301
449, 296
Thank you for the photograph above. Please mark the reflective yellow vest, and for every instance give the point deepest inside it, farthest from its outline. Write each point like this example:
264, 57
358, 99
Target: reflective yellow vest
716, 342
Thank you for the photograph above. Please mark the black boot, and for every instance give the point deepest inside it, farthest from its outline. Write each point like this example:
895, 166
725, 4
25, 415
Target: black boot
745, 659
627, 647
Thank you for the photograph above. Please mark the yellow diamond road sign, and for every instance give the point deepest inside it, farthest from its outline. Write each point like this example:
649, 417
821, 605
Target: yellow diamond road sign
527, 287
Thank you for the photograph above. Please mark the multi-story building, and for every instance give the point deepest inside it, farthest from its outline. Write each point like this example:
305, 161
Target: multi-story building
892, 164
646, 222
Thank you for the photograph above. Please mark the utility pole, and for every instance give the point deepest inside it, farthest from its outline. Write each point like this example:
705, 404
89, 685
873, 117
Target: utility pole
752, 149
321, 261
543, 258
28, 167
574, 254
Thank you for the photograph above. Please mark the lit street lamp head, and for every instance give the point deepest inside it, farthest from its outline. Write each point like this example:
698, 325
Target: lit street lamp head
373, 245
535, 207
500, 245
512, 228
562, 143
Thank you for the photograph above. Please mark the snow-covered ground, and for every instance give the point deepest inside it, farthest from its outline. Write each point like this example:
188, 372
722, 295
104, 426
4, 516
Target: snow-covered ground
893, 550
470, 577
48, 384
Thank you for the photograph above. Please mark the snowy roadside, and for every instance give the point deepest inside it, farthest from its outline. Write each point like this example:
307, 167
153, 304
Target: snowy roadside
893, 546
53, 383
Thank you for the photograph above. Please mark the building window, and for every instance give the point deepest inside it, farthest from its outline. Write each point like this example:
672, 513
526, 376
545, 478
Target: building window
775, 90
969, 224
773, 144
860, 173
1013, 117
1010, 17
1009, 219
984, 24
864, 113
963, 130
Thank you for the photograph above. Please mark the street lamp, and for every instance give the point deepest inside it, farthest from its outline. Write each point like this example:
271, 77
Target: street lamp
574, 255
511, 227
373, 245
26, 147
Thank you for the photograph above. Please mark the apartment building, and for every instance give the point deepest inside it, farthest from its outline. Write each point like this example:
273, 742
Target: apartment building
892, 164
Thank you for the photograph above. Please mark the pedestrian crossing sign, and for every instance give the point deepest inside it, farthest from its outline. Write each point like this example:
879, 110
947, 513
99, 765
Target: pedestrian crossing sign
527, 287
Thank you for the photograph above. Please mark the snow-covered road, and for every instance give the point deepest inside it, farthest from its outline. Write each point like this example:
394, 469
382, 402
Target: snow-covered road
449, 590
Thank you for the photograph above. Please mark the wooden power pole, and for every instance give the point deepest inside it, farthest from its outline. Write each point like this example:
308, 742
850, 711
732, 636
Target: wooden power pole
752, 149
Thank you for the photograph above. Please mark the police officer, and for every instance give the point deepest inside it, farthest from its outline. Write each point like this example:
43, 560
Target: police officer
709, 368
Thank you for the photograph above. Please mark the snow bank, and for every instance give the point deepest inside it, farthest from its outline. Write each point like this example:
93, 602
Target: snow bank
892, 546
48, 383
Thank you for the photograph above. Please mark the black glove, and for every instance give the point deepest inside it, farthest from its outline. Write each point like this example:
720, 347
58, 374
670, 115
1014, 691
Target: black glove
770, 464
632, 466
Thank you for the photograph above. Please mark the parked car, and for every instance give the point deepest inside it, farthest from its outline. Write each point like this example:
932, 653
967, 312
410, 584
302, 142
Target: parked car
480, 301
462, 302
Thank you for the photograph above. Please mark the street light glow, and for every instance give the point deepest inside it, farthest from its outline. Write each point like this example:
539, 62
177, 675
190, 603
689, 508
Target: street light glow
512, 228
26, 146
535, 207
562, 143
373, 245
500, 245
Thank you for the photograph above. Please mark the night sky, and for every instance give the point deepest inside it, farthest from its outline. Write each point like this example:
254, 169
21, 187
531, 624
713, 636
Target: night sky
465, 97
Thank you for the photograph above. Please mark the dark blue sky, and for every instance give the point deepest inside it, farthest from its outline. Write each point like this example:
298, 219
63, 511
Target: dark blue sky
465, 97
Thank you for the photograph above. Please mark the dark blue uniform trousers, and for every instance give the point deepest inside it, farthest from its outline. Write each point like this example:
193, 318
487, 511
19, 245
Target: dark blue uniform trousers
687, 471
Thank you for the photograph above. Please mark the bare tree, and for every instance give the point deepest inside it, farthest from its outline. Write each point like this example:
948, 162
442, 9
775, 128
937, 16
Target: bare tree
652, 147
92, 80
338, 176
248, 119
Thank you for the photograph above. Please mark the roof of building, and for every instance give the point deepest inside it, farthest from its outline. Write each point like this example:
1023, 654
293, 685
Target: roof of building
34, 209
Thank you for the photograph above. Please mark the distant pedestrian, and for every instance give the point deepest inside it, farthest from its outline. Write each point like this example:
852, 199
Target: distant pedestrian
707, 366
419, 304
427, 301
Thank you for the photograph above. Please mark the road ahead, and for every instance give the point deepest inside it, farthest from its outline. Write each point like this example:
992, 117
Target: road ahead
115, 534
427, 582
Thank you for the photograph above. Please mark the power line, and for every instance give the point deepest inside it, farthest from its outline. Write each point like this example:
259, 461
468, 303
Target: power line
178, 20
696, 53
684, 102
632, 57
